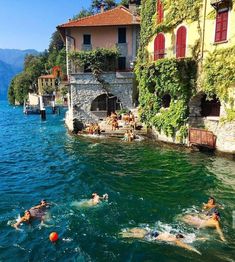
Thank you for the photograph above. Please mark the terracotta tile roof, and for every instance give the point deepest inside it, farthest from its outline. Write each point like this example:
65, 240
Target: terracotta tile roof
116, 16
47, 77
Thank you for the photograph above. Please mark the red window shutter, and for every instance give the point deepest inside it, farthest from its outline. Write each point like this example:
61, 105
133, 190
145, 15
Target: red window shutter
181, 42
160, 11
221, 26
159, 46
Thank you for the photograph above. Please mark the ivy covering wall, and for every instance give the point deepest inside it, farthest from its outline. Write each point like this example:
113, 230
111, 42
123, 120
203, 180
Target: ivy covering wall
173, 77
178, 11
219, 73
102, 59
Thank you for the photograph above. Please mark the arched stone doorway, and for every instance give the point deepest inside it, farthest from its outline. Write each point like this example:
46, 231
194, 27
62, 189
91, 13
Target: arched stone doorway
103, 105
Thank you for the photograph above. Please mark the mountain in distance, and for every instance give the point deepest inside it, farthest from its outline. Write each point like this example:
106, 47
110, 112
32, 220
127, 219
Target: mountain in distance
11, 63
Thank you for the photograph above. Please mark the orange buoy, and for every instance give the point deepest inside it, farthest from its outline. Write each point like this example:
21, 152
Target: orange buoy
53, 237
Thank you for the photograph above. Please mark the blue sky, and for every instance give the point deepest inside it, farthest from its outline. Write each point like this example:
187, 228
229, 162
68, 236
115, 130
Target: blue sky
29, 24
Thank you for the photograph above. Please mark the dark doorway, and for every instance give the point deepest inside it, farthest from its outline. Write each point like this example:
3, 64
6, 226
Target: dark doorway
121, 63
210, 107
104, 105
166, 100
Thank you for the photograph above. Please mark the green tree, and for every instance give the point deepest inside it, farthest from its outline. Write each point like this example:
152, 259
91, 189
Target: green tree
125, 3
11, 93
56, 42
83, 13
22, 83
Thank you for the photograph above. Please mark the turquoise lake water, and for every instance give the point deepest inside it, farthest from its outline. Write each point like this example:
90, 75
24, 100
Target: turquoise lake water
148, 186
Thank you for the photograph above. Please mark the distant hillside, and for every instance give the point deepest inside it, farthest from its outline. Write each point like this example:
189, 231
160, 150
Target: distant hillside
11, 63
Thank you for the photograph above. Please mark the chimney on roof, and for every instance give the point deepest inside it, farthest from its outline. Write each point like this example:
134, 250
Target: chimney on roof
70, 19
102, 7
133, 6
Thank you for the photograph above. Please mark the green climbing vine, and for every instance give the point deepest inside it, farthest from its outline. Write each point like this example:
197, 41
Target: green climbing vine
103, 59
97, 61
173, 77
148, 9
177, 11
219, 73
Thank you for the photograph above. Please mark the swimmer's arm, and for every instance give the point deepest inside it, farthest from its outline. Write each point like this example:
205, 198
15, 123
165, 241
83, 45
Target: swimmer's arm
186, 246
17, 224
218, 229
104, 197
36, 207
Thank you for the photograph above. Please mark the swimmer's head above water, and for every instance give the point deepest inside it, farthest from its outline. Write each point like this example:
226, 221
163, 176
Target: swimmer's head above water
178, 236
211, 200
94, 195
43, 202
27, 214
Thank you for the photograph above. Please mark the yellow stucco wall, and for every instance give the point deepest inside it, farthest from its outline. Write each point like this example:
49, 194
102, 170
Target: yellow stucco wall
193, 34
209, 45
170, 41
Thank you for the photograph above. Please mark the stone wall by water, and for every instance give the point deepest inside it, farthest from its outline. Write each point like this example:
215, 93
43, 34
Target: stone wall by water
225, 132
85, 88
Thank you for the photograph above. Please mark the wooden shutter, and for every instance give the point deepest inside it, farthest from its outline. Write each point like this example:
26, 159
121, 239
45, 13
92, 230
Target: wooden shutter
159, 46
160, 12
221, 26
181, 42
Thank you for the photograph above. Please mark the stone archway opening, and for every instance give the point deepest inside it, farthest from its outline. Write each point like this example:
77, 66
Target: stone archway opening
103, 105
210, 107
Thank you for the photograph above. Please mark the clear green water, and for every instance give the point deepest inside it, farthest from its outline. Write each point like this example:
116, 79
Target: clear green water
147, 186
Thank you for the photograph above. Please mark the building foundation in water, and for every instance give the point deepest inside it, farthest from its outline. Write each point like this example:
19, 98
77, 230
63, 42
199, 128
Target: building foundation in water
90, 101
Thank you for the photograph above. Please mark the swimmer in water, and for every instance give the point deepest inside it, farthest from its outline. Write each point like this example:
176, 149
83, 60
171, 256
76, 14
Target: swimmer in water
27, 218
210, 206
43, 204
141, 233
96, 199
209, 222
38, 212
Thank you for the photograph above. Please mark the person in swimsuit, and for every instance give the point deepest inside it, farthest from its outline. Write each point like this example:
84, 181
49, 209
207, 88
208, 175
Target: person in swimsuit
211, 222
210, 203
27, 218
35, 212
142, 233
96, 199
39, 211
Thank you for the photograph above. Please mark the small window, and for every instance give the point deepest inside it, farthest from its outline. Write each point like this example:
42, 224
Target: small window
122, 35
86, 39
121, 63
221, 26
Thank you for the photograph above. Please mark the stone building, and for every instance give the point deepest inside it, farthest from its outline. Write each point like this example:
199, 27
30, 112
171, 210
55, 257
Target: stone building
89, 99
211, 30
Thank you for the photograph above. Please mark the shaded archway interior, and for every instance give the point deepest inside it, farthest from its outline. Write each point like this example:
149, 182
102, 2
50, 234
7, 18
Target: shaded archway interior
103, 105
